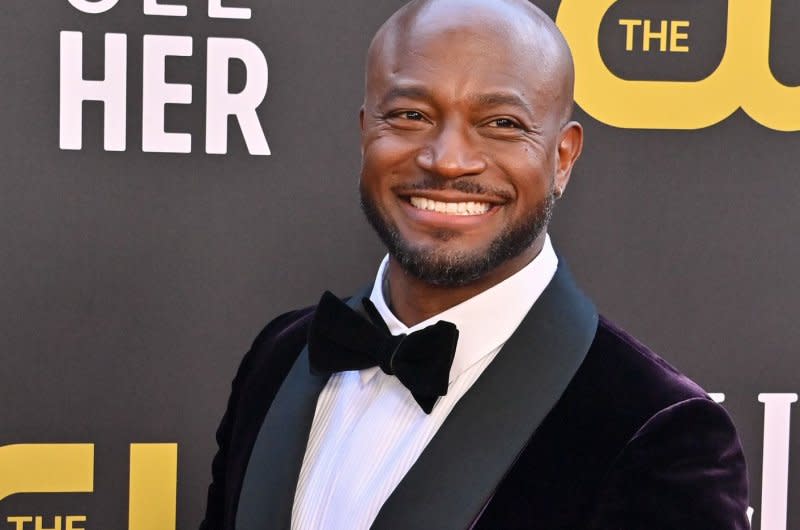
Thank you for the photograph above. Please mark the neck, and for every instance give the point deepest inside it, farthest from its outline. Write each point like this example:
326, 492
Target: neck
413, 300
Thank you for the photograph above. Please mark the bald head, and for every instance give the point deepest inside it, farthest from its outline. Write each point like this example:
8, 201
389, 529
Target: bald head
465, 138
516, 25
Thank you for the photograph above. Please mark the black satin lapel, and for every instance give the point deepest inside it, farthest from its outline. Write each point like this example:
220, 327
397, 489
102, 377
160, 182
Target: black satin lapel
267, 494
271, 477
479, 441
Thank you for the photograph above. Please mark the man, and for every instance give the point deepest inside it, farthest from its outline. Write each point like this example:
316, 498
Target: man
530, 412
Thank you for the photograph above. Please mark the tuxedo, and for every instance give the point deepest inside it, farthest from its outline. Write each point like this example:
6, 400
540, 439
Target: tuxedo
575, 425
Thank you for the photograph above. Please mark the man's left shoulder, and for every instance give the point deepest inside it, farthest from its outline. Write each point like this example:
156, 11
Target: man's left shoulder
677, 443
623, 390
625, 363
632, 443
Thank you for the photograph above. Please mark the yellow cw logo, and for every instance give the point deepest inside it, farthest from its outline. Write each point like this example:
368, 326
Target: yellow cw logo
743, 78
65, 468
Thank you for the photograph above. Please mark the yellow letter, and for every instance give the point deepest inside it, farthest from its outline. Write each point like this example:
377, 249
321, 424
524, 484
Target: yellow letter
652, 104
71, 519
153, 485
19, 521
629, 24
46, 468
676, 35
648, 35
37, 525
765, 99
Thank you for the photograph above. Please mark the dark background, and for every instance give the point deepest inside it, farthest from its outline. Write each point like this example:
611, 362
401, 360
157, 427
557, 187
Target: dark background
132, 283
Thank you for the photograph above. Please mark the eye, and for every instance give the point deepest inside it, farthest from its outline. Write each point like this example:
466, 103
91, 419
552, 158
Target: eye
412, 120
412, 115
505, 123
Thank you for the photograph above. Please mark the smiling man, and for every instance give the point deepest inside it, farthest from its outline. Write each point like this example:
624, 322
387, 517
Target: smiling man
472, 384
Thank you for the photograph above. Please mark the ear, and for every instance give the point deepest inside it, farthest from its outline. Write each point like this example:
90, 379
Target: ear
569, 149
361, 127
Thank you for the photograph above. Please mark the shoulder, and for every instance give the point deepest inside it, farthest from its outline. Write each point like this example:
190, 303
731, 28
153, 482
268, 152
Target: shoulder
260, 374
630, 386
278, 343
266, 364
630, 438
623, 360
620, 386
676, 451
288, 326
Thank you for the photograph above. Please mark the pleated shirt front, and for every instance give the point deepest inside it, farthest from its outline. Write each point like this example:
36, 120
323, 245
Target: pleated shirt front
368, 430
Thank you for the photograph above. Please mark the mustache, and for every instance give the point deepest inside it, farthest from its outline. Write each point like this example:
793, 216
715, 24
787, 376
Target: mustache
431, 183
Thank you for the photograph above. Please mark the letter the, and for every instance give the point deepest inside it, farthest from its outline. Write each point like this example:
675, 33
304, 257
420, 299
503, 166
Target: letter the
152, 7
72, 519
648, 35
75, 90
675, 36
220, 103
639, 104
37, 525
775, 468
630, 24
153, 486
19, 521
156, 93
217, 10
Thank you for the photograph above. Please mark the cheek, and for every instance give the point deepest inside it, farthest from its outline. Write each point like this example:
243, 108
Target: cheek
388, 157
379, 172
385, 165
528, 170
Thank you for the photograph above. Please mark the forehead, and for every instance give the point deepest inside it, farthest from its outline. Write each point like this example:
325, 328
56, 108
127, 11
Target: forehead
468, 53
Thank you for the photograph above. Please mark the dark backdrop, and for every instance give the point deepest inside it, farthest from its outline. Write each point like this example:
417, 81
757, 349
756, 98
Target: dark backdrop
131, 283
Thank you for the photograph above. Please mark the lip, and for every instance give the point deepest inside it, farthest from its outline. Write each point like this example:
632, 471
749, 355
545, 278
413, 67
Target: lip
438, 220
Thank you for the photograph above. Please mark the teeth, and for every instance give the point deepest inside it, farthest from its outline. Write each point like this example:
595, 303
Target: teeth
451, 208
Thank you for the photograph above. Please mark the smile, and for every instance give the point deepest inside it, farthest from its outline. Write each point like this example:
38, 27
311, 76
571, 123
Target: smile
450, 208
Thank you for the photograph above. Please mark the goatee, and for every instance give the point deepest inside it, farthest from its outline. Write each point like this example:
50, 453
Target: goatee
440, 267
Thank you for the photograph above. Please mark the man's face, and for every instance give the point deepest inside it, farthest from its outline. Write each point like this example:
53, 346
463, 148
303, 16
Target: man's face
460, 141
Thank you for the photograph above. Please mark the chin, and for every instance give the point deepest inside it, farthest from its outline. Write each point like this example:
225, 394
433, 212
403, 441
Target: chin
453, 258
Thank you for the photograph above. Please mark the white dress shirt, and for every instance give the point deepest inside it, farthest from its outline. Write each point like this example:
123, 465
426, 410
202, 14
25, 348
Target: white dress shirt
368, 430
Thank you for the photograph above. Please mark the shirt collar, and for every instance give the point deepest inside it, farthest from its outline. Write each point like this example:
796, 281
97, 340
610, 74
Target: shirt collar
485, 321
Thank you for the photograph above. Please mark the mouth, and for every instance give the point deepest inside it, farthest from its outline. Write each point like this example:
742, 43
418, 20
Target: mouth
461, 208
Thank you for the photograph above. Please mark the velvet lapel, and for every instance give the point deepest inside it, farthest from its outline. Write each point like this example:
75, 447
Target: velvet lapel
267, 494
457, 473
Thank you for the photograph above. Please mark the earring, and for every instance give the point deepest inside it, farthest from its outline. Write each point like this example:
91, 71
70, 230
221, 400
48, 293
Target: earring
558, 192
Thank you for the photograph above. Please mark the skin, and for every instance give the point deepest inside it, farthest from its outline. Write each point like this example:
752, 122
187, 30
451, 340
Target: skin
465, 100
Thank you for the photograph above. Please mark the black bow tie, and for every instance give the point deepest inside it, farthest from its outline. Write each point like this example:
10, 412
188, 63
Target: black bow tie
340, 339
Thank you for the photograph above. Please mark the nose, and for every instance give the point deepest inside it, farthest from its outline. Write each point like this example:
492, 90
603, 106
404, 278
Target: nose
451, 153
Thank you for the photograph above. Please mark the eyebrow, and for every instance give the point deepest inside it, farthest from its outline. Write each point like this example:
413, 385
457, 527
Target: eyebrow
491, 99
410, 92
498, 99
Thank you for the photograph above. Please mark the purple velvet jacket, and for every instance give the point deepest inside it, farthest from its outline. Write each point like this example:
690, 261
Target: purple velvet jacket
629, 443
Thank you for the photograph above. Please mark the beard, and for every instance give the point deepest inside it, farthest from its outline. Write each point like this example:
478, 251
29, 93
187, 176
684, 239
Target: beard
453, 268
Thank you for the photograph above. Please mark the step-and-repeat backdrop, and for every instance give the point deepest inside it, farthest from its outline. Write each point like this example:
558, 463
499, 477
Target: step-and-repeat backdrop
175, 173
